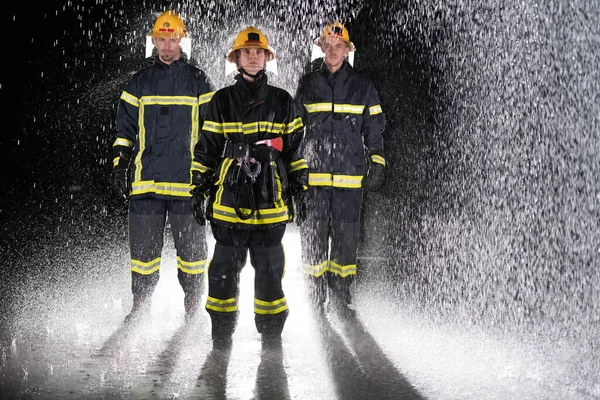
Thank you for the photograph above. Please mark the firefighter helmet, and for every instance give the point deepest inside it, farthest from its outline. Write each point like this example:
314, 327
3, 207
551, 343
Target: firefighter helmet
169, 25
336, 29
251, 37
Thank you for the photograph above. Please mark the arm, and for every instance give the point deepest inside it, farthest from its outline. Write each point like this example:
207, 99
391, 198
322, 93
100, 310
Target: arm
372, 131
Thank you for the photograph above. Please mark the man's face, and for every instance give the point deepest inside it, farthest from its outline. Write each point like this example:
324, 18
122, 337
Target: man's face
335, 50
168, 49
252, 60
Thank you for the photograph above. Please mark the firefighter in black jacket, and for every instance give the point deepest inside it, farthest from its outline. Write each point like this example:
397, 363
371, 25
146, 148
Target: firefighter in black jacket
157, 126
343, 145
248, 162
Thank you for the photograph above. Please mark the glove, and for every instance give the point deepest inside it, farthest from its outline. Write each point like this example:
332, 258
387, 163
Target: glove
201, 188
375, 177
198, 207
119, 181
299, 186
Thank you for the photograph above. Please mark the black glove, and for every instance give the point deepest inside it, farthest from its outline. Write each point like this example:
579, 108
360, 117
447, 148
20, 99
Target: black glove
299, 186
375, 177
119, 181
201, 188
198, 207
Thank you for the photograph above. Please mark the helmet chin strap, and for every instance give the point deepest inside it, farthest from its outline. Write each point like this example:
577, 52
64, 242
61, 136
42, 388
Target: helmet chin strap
256, 76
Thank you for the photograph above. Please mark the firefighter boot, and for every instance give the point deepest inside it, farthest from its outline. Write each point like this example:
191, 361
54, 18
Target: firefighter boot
193, 288
317, 293
139, 311
223, 326
270, 328
340, 301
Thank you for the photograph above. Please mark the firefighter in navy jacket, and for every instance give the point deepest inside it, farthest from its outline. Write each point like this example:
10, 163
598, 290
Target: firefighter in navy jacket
157, 126
343, 145
249, 163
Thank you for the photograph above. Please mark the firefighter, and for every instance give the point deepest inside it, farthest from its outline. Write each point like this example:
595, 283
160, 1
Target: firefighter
247, 163
343, 145
157, 126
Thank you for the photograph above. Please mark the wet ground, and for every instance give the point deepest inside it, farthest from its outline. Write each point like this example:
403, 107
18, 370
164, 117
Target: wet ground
63, 337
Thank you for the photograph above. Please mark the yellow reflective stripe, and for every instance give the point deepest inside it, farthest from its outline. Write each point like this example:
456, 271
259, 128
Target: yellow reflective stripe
332, 107
375, 110
205, 98
378, 159
123, 142
315, 270
348, 108
191, 267
266, 216
142, 144
212, 126
170, 100
145, 268
342, 270
116, 161
218, 305
318, 107
298, 165
270, 307
294, 125
340, 181
166, 188
197, 166
129, 98
194, 133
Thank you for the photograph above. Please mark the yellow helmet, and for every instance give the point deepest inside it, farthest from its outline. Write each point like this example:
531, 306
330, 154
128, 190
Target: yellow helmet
336, 29
251, 37
169, 25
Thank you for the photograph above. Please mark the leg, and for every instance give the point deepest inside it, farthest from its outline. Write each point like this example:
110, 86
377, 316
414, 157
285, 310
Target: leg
146, 229
190, 243
345, 229
268, 260
314, 233
223, 284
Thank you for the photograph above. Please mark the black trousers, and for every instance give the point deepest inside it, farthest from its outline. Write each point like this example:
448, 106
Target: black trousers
329, 238
268, 260
147, 219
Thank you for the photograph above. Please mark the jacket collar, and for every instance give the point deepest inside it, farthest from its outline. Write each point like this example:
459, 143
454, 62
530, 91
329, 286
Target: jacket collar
177, 64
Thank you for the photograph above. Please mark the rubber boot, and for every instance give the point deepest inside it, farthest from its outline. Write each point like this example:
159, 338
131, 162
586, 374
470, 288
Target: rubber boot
139, 311
223, 327
193, 288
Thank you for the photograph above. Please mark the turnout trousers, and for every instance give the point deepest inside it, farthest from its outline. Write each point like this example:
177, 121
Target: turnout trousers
147, 219
329, 238
267, 258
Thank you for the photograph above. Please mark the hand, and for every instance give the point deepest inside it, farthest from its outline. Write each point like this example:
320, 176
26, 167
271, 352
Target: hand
299, 187
198, 207
375, 177
201, 183
119, 182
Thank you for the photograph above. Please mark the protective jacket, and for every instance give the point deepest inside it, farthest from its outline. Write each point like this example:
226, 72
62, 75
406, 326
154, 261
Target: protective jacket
158, 123
250, 144
344, 126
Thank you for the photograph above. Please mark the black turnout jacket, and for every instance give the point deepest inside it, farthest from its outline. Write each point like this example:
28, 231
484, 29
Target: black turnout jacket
344, 126
250, 187
157, 127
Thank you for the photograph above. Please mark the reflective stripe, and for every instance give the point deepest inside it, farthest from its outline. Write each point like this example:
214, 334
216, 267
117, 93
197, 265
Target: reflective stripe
298, 165
336, 108
375, 110
378, 159
266, 215
191, 267
252, 127
145, 268
165, 188
340, 181
342, 270
116, 161
205, 98
270, 307
128, 98
315, 270
200, 167
170, 100
228, 305
123, 142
